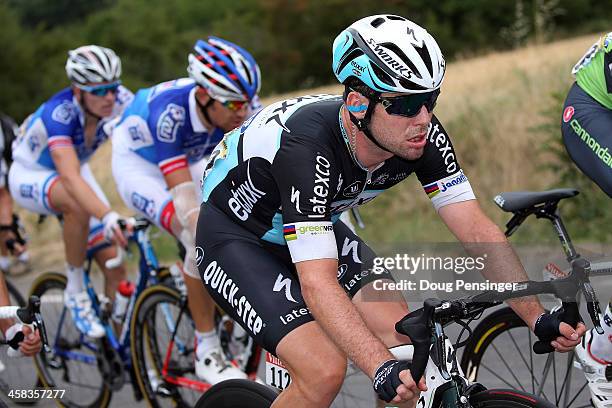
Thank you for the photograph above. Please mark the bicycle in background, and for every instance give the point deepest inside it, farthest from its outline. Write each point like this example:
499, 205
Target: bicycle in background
487, 353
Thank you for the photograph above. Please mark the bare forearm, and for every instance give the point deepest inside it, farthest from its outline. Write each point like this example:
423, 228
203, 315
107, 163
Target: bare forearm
503, 265
337, 315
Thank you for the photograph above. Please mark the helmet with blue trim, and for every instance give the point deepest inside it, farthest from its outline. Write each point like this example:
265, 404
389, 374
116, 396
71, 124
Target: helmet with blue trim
225, 70
389, 53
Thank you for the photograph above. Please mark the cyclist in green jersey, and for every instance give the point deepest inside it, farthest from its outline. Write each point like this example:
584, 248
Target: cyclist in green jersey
587, 134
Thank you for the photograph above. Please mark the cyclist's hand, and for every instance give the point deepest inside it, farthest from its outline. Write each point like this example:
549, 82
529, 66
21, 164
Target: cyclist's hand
393, 382
31, 345
112, 230
550, 326
569, 338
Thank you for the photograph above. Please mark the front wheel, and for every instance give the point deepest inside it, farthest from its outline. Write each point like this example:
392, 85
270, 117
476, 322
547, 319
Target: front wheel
500, 398
237, 393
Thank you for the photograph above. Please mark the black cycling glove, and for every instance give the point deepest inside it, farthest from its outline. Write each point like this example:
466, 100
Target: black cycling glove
386, 379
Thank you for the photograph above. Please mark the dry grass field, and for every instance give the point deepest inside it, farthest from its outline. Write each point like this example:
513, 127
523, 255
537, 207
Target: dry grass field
488, 106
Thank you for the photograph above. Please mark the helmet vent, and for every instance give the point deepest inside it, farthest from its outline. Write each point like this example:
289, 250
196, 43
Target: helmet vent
424, 53
402, 57
396, 18
348, 57
382, 75
377, 22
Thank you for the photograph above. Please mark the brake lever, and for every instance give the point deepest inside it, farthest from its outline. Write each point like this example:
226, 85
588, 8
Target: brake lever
592, 305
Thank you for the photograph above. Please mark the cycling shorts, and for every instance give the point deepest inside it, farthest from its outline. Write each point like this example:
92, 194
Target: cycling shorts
256, 283
30, 187
586, 126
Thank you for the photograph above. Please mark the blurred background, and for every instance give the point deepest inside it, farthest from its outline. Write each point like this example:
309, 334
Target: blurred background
508, 74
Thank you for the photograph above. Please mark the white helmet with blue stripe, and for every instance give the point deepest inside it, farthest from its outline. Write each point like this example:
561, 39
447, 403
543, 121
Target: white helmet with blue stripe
389, 53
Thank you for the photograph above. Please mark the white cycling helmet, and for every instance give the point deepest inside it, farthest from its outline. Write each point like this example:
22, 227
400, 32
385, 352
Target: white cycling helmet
92, 64
225, 70
389, 53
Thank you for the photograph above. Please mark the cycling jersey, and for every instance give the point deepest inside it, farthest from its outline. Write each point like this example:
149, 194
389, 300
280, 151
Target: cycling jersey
59, 122
8, 129
594, 71
287, 174
164, 128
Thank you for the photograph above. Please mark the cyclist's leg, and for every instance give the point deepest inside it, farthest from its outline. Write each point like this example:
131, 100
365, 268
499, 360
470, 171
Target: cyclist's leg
97, 245
143, 189
41, 190
241, 273
586, 134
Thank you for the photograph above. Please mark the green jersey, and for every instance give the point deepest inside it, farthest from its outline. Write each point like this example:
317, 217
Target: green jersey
594, 71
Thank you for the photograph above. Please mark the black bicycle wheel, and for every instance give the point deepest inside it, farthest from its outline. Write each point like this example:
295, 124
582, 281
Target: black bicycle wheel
71, 365
499, 353
155, 315
501, 398
18, 373
237, 393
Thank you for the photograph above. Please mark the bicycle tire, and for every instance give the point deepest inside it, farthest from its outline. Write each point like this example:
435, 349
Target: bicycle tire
237, 393
49, 287
22, 374
501, 345
148, 354
507, 398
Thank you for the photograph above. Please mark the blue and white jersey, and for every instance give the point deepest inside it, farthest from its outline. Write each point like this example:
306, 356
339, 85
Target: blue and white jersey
164, 128
60, 122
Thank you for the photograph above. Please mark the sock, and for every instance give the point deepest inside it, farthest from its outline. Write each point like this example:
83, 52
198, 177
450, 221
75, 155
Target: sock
75, 282
5, 263
206, 341
601, 347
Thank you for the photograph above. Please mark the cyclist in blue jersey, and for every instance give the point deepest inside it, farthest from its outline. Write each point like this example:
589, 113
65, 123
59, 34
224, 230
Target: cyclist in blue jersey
274, 255
50, 173
161, 146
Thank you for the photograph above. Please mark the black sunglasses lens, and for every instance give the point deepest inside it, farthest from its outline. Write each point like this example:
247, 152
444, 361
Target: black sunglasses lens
410, 105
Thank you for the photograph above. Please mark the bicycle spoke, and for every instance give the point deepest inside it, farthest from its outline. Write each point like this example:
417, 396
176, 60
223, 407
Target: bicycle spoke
496, 375
503, 360
520, 353
576, 396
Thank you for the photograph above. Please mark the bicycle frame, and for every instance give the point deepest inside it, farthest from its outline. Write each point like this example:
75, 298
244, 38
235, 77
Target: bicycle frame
119, 346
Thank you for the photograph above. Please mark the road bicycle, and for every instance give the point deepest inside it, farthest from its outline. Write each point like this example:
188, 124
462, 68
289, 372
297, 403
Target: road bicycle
163, 351
92, 369
553, 377
435, 356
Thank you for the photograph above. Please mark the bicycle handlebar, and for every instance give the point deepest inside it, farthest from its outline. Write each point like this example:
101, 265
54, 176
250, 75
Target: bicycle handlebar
137, 223
419, 324
29, 315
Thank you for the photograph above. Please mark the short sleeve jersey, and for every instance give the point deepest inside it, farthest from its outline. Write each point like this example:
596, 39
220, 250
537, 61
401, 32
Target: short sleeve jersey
594, 71
287, 174
60, 122
173, 136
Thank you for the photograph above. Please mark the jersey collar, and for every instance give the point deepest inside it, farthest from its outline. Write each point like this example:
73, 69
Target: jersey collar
196, 123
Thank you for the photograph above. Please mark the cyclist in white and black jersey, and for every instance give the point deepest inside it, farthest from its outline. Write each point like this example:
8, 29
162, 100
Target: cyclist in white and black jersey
270, 248
51, 174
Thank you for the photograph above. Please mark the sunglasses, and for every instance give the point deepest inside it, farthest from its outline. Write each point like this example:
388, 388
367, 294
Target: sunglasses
101, 90
410, 105
234, 106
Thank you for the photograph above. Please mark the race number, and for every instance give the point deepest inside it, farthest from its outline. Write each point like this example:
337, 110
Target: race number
277, 375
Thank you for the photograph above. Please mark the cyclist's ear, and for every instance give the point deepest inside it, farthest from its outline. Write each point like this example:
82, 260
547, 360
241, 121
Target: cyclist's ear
357, 104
